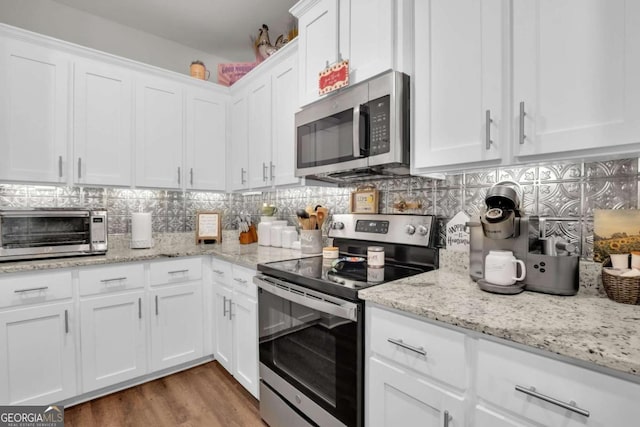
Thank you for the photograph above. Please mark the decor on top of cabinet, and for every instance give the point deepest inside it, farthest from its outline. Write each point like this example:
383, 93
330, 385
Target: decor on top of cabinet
262, 44
229, 73
333, 77
208, 228
199, 71
364, 200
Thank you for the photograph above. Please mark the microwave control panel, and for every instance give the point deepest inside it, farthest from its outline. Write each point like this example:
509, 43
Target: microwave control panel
379, 112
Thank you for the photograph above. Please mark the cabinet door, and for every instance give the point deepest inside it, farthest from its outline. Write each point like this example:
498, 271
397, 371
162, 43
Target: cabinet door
318, 46
238, 156
37, 361
399, 398
159, 128
176, 325
223, 326
245, 345
369, 41
206, 140
259, 124
575, 71
34, 88
102, 112
113, 339
285, 89
458, 79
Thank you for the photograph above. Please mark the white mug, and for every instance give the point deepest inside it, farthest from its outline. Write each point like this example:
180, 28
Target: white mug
500, 268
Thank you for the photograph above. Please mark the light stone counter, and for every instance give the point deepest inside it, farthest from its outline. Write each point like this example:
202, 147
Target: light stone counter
166, 245
587, 327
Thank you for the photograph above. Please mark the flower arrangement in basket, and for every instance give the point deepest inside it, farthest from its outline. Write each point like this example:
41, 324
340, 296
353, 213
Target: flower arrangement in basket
618, 286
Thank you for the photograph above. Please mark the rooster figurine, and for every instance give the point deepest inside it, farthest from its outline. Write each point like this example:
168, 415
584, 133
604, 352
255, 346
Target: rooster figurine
262, 44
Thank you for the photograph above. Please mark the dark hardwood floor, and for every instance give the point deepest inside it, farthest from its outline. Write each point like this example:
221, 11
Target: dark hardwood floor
202, 396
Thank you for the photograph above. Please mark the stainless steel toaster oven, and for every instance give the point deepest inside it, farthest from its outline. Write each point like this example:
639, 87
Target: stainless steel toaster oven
31, 233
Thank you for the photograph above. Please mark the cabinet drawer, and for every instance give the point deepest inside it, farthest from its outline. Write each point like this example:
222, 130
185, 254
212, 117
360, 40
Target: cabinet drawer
221, 271
32, 288
176, 271
429, 349
110, 279
243, 281
502, 368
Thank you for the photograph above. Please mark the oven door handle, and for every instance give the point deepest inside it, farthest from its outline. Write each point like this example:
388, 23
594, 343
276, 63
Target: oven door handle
308, 298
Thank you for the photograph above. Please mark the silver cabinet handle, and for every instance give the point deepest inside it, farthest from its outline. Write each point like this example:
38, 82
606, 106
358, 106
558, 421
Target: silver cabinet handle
19, 291
79, 167
115, 279
230, 312
447, 418
488, 122
271, 168
66, 321
156, 305
522, 136
244, 282
571, 406
179, 271
139, 308
264, 172
224, 306
191, 176
356, 131
242, 180
218, 271
400, 343
179, 175
60, 166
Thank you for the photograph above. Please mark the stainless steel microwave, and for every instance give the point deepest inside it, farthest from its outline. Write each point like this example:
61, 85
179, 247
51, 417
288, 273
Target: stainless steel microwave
358, 133
33, 233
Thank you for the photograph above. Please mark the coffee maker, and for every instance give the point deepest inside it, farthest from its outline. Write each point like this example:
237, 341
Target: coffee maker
551, 265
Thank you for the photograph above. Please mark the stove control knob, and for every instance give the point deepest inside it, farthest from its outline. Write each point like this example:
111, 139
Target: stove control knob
422, 230
410, 229
337, 225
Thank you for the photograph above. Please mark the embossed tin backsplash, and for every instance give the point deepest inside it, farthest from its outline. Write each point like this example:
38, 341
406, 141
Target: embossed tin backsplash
566, 192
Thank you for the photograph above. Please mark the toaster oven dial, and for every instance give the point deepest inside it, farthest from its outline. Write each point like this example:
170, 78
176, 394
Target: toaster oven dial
422, 230
337, 225
410, 229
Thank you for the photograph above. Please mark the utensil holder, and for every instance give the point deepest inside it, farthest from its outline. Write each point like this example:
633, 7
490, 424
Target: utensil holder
311, 241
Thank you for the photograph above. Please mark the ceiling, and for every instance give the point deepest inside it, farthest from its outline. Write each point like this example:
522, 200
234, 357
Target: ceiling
217, 27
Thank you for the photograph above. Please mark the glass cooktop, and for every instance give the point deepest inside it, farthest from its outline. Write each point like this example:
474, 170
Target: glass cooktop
342, 279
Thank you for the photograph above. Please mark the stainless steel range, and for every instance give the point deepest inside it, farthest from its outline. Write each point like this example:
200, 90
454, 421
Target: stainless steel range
311, 321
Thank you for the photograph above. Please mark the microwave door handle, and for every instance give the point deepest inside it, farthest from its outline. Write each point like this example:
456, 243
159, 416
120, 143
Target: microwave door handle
356, 131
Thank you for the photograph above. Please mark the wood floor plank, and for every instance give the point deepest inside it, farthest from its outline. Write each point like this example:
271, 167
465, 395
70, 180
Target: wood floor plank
205, 395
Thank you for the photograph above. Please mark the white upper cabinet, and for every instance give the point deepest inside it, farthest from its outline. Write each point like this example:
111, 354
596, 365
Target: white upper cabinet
575, 77
238, 170
102, 108
259, 131
159, 132
206, 140
458, 106
34, 101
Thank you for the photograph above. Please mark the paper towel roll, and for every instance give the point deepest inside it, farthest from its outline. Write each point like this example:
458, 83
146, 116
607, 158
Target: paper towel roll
141, 230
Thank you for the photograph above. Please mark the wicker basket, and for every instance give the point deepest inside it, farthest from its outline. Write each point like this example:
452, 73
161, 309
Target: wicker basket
625, 290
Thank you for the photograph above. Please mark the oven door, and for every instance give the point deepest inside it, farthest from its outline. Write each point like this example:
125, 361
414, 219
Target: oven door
332, 135
311, 344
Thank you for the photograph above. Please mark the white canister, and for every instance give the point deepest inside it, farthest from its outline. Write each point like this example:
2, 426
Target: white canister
276, 236
500, 268
264, 233
289, 235
375, 257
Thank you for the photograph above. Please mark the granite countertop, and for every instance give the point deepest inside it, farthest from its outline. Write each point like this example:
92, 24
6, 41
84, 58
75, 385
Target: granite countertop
166, 246
586, 326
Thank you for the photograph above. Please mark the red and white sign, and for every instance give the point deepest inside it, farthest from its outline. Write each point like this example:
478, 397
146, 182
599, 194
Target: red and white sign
334, 77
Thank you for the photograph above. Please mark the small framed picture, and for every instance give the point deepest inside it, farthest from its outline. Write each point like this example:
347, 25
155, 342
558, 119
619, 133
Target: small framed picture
208, 226
364, 200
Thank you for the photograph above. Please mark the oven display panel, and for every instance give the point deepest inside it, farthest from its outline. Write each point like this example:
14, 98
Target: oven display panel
372, 226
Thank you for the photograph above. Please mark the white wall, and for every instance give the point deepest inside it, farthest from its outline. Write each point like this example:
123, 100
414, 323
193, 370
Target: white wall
65, 23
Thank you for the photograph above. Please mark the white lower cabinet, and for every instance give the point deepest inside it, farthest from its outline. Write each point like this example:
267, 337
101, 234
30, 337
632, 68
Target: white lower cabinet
37, 360
399, 397
236, 323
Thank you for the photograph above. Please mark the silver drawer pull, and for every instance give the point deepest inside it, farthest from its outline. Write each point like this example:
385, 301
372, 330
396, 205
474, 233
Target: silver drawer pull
218, 271
244, 282
571, 406
19, 291
400, 343
521, 135
179, 271
66, 321
447, 418
115, 279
